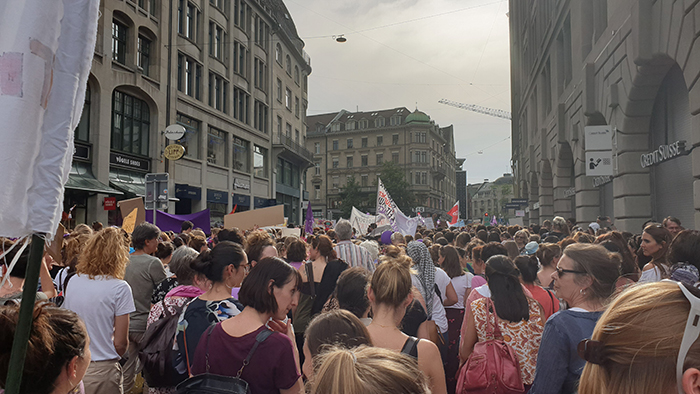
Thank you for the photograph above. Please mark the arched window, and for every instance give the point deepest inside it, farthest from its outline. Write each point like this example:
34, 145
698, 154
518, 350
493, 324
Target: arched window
278, 53
289, 65
130, 124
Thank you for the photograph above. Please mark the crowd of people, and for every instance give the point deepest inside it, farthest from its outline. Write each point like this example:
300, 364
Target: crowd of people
589, 310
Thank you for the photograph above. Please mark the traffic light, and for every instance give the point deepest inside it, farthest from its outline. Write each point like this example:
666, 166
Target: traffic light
486, 214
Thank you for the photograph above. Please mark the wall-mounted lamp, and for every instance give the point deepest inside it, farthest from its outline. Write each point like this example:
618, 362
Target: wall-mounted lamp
341, 38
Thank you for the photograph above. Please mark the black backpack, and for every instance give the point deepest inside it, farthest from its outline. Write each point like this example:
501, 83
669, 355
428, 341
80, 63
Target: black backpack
156, 353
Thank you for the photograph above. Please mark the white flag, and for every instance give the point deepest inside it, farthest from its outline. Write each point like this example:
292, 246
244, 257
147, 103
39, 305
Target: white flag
46, 51
385, 205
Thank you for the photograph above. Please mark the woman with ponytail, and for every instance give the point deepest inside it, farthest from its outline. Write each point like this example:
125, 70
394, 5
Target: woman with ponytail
520, 318
390, 292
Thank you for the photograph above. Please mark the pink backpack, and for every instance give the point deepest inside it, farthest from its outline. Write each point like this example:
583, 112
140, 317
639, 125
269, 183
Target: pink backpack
493, 366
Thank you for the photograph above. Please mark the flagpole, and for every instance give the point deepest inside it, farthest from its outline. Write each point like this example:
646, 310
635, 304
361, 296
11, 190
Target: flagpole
26, 315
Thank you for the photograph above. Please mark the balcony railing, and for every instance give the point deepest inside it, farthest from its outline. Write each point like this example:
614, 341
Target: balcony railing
294, 147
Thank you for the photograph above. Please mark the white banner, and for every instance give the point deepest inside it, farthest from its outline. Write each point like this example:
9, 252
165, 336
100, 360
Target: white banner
386, 208
360, 221
46, 51
406, 225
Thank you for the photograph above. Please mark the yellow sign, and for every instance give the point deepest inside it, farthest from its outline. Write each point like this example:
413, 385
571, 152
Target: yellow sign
129, 221
174, 151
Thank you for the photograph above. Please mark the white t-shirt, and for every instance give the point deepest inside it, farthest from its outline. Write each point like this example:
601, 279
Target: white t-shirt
461, 284
98, 301
652, 275
441, 280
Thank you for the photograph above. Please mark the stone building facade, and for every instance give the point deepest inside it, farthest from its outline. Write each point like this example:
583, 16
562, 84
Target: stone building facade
355, 144
490, 198
632, 65
232, 72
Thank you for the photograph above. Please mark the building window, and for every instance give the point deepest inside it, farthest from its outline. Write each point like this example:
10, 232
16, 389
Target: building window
82, 132
288, 99
349, 143
363, 124
218, 89
395, 157
395, 139
191, 18
260, 116
296, 136
296, 106
364, 180
364, 142
380, 140
336, 182
364, 160
335, 162
317, 148
261, 33
216, 147
335, 126
279, 90
240, 53
395, 120
260, 74
317, 168
144, 56
289, 65
189, 75
380, 158
216, 40
317, 193
241, 157
130, 124
296, 75
278, 53
119, 32
260, 167
349, 161
241, 100
191, 138
350, 125
379, 122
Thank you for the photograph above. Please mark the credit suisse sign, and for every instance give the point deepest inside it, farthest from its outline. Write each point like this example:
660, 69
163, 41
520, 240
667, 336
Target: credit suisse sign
664, 153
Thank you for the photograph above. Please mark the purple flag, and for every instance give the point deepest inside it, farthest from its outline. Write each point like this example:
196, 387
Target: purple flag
170, 222
309, 224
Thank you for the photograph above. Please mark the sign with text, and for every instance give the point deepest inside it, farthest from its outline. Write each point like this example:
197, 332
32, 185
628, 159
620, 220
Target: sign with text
110, 203
518, 200
128, 161
133, 206
599, 163
663, 153
598, 137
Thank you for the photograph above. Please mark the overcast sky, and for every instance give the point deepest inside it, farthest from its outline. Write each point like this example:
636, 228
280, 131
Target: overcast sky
402, 52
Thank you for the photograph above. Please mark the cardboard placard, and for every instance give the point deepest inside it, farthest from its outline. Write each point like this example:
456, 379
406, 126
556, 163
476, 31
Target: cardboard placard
129, 222
270, 216
54, 248
127, 207
291, 231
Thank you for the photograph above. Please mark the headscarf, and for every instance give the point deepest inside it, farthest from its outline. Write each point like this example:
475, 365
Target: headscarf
423, 263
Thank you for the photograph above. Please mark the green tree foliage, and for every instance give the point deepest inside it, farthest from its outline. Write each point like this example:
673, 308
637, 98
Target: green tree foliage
394, 179
350, 195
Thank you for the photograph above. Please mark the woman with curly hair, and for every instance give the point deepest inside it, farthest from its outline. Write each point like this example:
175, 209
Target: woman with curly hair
259, 244
101, 297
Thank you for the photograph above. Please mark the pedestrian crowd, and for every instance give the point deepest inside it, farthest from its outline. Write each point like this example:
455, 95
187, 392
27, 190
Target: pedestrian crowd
550, 308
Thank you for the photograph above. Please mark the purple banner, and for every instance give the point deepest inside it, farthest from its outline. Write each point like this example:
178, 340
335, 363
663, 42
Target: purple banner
168, 222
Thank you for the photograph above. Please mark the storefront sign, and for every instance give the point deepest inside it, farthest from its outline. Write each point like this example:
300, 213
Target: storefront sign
535, 206
241, 200
601, 180
664, 153
110, 203
599, 163
174, 132
217, 196
81, 152
598, 137
174, 152
187, 191
570, 192
128, 161
240, 184
518, 200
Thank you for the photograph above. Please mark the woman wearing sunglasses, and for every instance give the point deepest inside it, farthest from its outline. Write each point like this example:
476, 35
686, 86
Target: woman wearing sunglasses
646, 342
584, 277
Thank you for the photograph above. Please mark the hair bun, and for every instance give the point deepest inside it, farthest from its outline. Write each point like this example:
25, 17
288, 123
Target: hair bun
592, 351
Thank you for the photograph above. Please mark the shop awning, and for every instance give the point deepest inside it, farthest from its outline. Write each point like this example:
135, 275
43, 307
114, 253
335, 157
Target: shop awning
131, 183
81, 178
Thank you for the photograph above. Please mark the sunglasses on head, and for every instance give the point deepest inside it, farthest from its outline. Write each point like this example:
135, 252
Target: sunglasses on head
562, 271
691, 333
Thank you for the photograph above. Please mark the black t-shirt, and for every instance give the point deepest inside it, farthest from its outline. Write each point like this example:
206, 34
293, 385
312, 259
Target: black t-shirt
414, 317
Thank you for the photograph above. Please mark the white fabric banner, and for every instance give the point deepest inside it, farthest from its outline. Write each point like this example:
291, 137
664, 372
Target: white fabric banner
406, 225
360, 221
386, 208
46, 51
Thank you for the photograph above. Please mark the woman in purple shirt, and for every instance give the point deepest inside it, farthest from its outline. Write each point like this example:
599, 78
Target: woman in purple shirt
268, 293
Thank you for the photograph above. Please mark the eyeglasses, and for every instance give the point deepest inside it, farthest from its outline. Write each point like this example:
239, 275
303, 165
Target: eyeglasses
246, 268
561, 271
691, 333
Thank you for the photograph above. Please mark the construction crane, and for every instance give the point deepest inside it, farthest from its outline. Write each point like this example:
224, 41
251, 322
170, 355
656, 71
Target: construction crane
499, 113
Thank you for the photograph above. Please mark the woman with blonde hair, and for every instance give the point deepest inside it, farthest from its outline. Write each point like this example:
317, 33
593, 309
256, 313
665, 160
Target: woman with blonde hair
367, 370
390, 292
646, 342
101, 297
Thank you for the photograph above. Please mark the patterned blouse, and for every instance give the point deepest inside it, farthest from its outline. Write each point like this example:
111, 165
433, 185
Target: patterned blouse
524, 336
